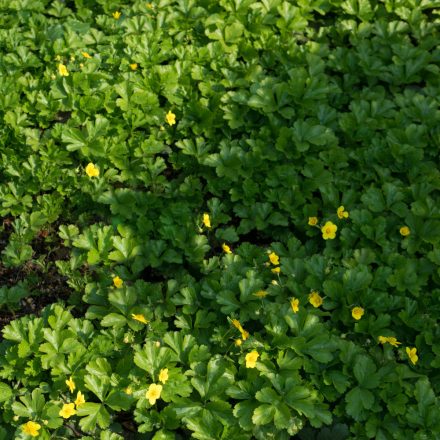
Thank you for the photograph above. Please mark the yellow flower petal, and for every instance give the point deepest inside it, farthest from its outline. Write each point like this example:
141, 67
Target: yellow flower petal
294, 303
140, 318
116, 15
118, 282
31, 428
92, 170
206, 220
226, 249
153, 393
251, 359
68, 410
357, 313
393, 341
62, 69
412, 354
329, 231
244, 334
313, 221
274, 258
315, 299
79, 399
170, 118
260, 294
342, 213
404, 231
163, 375
71, 384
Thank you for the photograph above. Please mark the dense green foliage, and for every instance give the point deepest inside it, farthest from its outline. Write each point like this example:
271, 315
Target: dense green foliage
284, 110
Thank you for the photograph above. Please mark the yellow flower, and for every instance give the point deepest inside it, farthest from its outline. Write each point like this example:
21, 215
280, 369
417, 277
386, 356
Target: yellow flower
140, 318
31, 428
357, 313
71, 384
411, 352
68, 410
329, 231
128, 390
206, 220
118, 282
86, 55
170, 117
342, 213
163, 375
92, 170
116, 15
260, 294
405, 231
226, 249
276, 270
251, 359
313, 221
390, 340
149, 5
315, 299
62, 69
79, 399
153, 393
133, 66
294, 303
393, 341
237, 325
238, 342
274, 258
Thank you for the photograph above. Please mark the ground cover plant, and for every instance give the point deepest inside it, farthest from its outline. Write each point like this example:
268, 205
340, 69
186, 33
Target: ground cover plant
220, 219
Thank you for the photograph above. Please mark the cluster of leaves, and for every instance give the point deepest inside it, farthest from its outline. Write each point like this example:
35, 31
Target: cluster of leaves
173, 145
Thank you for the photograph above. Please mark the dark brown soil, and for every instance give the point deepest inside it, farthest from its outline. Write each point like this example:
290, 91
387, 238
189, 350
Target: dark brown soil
46, 285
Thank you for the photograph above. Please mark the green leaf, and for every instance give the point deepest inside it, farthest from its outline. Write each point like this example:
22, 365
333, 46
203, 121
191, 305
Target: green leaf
153, 358
93, 414
300, 399
5, 392
229, 302
282, 416
216, 380
113, 320
118, 401
358, 278
424, 396
233, 32
374, 200
244, 412
358, 400
99, 385
364, 371
267, 395
263, 414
